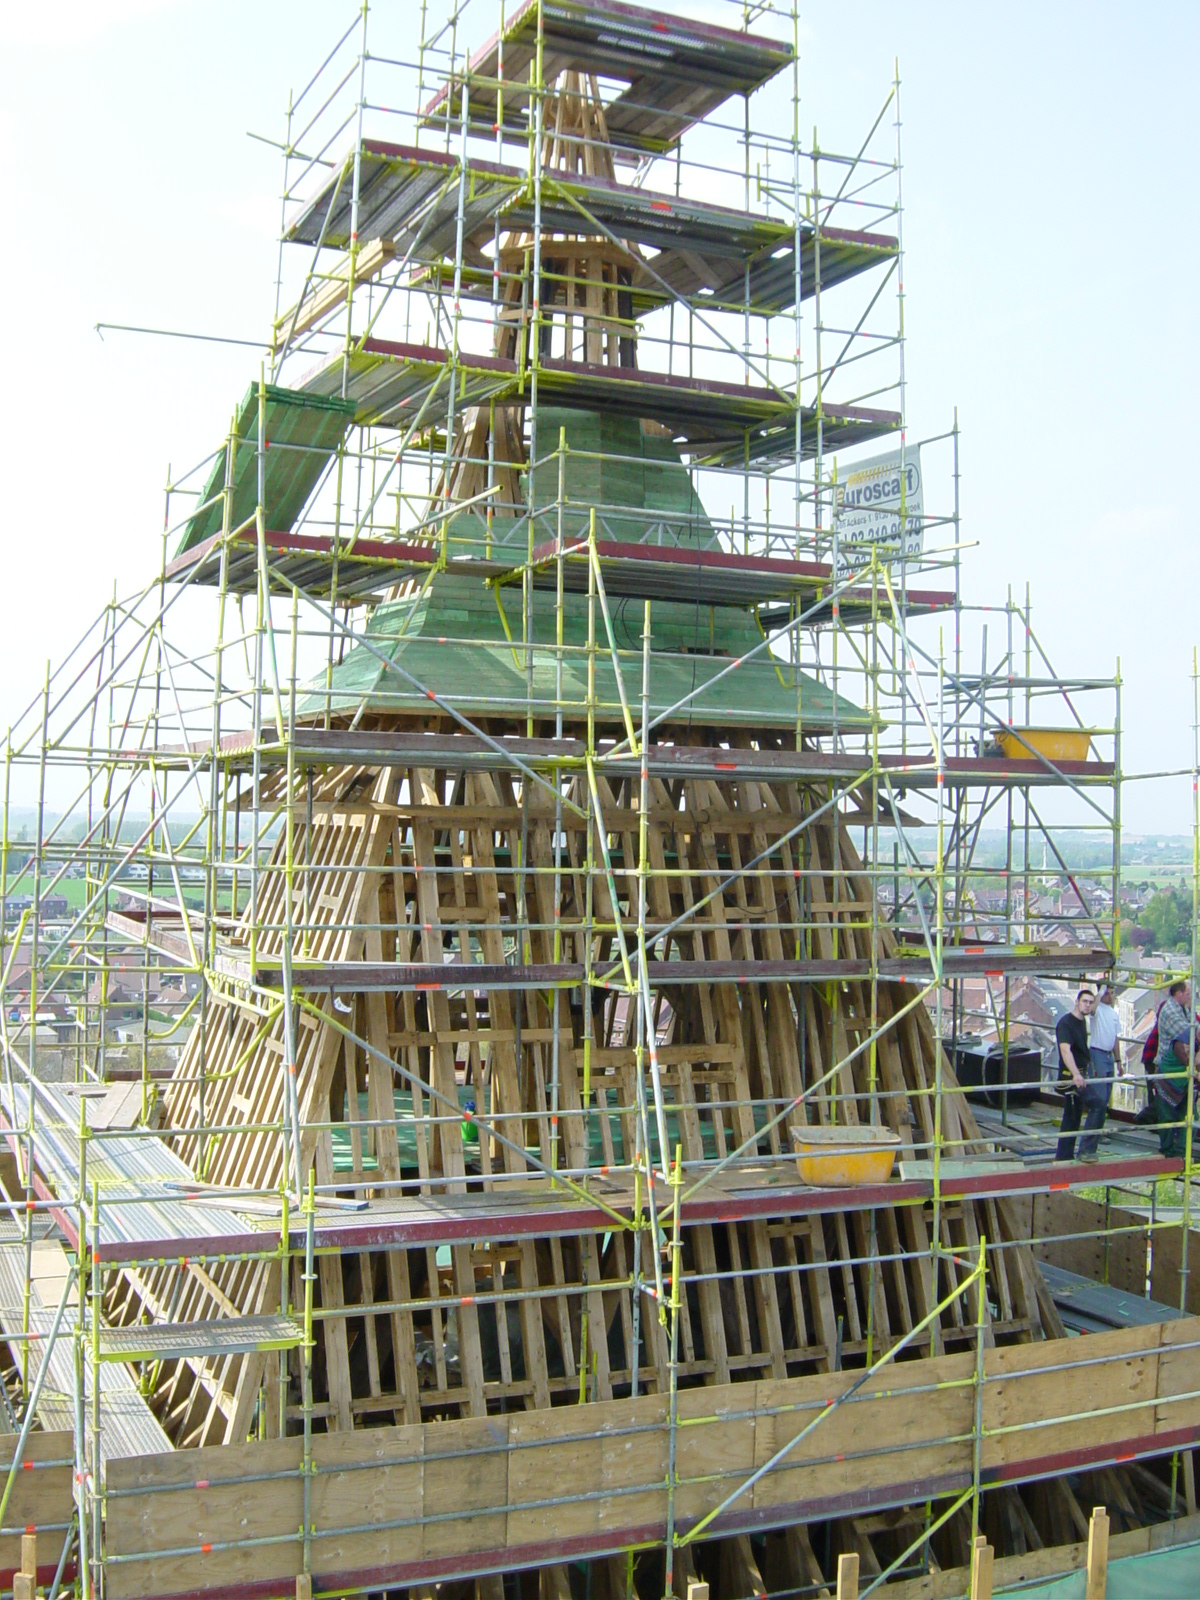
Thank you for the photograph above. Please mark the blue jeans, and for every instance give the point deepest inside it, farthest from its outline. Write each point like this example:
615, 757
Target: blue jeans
1088, 1105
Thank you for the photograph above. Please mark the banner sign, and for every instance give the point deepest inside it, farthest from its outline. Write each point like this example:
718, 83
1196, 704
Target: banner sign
867, 510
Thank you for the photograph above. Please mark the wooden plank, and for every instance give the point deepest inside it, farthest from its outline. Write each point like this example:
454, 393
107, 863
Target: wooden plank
1178, 1376
982, 1564
466, 1472
900, 1427
1051, 1562
475, 1481
1037, 1403
716, 1445
1097, 1555
41, 1502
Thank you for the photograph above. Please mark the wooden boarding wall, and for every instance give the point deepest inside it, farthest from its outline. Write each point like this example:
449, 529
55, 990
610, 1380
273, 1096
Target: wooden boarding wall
1112, 1245
41, 1501
417, 1503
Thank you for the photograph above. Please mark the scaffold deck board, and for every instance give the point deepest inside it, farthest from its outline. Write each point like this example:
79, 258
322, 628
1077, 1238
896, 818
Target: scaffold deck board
319, 566
678, 70
1090, 1307
214, 1337
141, 1179
313, 563
389, 745
540, 1207
128, 1427
391, 383
707, 576
410, 195
460, 976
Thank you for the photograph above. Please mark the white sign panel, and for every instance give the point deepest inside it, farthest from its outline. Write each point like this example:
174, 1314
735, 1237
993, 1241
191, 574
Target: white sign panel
867, 510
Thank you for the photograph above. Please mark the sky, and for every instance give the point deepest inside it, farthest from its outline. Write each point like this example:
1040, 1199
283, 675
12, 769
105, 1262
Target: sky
1051, 240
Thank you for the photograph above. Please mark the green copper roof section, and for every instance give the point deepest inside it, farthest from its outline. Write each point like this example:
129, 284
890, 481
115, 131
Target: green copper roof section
452, 640
461, 637
631, 475
302, 432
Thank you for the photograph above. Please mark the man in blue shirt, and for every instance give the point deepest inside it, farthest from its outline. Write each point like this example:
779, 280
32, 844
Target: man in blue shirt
1175, 1041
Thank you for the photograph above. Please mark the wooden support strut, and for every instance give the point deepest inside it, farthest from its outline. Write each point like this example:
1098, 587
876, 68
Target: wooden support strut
25, 1581
847, 1575
1097, 1555
982, 1557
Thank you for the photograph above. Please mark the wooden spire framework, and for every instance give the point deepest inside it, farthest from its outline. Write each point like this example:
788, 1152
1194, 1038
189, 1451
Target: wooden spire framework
542, 908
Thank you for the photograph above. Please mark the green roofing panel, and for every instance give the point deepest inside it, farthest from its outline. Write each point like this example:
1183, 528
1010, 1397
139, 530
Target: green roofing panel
459, 636
452, 640
302, 432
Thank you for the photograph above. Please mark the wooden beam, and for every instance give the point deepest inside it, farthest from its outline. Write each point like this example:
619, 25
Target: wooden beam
372, 259
982, 1556
1097, 1555
847, 1575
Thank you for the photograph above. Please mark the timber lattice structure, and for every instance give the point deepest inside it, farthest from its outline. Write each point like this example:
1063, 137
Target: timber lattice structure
525, 868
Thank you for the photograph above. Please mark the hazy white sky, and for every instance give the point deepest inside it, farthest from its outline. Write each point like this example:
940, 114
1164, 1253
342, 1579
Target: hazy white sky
1051, 246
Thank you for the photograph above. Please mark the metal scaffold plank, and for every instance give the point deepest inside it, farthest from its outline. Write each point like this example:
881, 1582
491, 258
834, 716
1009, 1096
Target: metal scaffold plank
128, 1427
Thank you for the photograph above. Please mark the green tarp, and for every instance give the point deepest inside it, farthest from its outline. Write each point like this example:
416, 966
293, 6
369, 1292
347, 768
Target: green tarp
302, 432
453, 639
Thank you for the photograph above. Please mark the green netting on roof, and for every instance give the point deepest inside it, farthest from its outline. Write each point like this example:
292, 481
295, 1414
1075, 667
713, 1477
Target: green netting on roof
1157, 1575
302, 432
630, 474
454, 638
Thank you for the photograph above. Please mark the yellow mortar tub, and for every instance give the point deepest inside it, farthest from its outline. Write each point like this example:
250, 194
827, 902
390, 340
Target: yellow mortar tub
1056, 744
845, 1156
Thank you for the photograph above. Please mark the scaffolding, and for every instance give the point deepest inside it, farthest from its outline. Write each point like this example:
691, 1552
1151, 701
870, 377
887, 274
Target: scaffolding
476, 870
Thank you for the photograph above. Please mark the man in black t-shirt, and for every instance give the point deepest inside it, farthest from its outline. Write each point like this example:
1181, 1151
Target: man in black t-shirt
1073, 1062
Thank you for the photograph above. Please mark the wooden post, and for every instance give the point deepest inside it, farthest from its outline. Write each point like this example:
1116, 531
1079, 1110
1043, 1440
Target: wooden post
697, 1591
24, 1587
982, 1556
848, 1576
1097, 1565
304, 1586
29, 1555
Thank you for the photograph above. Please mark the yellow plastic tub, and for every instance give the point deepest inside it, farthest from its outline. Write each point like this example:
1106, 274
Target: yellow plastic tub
1056, 744
845, 1157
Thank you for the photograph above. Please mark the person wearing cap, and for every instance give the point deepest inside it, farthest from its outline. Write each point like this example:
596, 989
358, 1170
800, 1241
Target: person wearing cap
1104, 1051
1081, 1103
